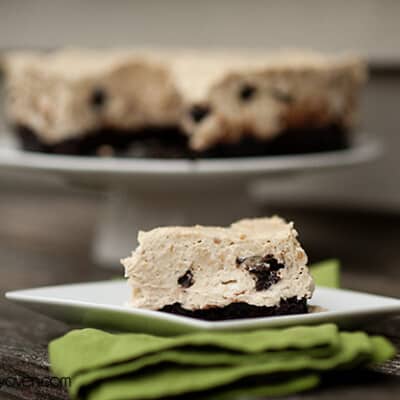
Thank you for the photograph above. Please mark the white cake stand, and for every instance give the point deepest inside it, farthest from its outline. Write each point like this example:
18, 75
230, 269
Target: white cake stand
144, 193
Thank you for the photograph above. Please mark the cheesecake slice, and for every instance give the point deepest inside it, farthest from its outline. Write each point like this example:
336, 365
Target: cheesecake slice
254, 268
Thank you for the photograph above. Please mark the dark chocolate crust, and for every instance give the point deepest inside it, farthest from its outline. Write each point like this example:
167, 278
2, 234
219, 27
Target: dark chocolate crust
167, 142
170, 142
241, 310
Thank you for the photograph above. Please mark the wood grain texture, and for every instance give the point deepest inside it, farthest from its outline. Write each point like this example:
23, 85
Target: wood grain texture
45, 239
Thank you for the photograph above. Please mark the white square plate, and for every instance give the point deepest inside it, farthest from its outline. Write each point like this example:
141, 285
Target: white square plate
101, 304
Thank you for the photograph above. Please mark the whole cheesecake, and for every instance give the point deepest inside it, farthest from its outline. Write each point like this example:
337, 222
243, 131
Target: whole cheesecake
181, 103
254, 268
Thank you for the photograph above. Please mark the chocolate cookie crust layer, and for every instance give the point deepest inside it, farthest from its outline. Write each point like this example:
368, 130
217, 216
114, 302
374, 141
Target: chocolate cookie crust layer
170, 142
241, 310
153, 142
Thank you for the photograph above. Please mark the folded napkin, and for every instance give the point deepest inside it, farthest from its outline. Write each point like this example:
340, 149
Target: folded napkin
216, 365
326, 273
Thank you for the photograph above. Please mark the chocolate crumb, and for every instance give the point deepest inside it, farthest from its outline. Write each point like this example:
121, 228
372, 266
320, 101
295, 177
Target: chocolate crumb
240, 260
247, 91
265, 269
98, 98
265, 279
198, 112
273, 262
186, 280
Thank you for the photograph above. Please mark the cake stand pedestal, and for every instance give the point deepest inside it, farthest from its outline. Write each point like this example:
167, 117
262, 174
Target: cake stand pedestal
125, 212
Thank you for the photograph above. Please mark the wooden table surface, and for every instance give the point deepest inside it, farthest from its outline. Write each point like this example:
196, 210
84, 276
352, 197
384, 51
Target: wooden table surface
45, 239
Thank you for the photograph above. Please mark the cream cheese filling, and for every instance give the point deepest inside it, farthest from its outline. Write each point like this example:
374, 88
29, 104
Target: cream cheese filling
165, 254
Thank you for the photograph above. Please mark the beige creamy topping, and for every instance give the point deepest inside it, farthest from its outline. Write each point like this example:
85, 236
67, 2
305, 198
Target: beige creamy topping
244, 93
210, 254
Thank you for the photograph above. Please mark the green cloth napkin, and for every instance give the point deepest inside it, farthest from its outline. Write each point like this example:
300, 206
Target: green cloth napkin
326, 273
105, 366
216, 365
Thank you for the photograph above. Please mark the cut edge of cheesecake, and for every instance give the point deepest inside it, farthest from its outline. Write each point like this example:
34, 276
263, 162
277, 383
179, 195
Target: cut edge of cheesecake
253, 268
